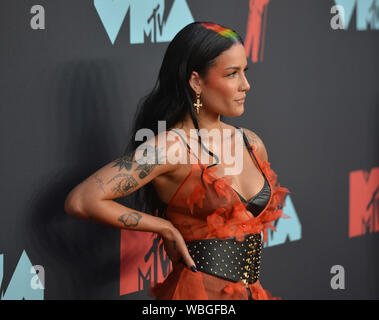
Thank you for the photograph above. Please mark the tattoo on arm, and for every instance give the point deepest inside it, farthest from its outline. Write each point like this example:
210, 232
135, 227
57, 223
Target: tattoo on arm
154, 158
126, 183
130, 219
126, 161
146, 169
99, 182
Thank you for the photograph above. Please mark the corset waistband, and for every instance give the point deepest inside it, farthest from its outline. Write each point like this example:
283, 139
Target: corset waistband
228, 259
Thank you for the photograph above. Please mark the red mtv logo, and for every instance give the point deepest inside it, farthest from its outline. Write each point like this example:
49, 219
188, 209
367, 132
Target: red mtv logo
254, 40
364, 202
143, 261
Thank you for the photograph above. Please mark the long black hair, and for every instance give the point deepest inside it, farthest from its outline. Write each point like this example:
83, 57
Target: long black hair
194, 48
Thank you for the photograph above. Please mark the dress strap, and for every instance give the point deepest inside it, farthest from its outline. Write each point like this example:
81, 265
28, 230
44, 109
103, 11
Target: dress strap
250, 149
185, 142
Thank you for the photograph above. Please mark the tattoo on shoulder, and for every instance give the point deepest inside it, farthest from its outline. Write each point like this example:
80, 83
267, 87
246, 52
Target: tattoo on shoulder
130, 219
126, 183
253, 138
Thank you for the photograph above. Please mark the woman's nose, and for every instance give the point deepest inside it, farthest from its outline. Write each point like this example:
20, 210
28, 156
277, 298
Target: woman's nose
245, 84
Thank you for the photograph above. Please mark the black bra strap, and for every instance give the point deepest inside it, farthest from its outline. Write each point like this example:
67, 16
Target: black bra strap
185, 142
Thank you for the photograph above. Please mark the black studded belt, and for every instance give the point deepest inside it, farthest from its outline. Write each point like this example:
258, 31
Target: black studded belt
228, 259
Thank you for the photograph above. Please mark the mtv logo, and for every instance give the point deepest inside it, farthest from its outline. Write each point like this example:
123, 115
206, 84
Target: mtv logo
24, 284
367, 13
143, 262
363, 202
146, 18
285, 228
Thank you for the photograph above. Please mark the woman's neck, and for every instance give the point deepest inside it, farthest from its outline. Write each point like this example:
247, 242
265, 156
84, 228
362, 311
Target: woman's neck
206, 121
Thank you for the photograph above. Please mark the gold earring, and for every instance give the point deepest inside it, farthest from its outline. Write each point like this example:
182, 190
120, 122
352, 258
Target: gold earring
198, 104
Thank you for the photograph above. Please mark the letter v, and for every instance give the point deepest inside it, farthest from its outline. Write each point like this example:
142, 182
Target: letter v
112, 15
349, 6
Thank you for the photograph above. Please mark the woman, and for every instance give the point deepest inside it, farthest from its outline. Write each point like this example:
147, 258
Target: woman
204, 219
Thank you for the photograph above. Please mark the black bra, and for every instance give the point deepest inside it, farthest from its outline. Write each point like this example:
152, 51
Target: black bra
257, 203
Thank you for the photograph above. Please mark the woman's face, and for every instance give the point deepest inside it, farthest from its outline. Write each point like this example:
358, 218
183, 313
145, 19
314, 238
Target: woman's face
226, 83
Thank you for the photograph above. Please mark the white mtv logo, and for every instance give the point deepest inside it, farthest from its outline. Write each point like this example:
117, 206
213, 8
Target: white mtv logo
146, 18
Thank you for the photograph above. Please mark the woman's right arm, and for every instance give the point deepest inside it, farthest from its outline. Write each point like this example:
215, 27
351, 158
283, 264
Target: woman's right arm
93, 198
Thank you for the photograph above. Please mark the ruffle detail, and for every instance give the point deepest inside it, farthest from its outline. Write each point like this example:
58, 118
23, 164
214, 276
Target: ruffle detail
236, 290
221, 185
235, 221
197, 196
188, 286
185, 281
273, 211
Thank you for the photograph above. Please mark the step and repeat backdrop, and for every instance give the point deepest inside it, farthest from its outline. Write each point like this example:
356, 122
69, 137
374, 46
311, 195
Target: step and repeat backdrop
71, 75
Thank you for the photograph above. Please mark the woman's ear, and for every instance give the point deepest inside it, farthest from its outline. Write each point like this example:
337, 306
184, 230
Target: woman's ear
195, 82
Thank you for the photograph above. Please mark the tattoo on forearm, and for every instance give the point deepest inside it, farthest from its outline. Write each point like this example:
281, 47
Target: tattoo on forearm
126, 183
130, 219
99, 182
174, 244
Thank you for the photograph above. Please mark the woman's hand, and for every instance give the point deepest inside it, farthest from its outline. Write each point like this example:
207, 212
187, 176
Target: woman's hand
175, 247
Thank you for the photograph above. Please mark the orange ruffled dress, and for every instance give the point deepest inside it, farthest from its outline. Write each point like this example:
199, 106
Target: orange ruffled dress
214, 210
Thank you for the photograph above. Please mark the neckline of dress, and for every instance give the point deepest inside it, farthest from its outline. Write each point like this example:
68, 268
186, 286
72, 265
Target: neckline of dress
251, 152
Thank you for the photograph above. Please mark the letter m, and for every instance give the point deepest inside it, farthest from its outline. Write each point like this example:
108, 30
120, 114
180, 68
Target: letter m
363, 202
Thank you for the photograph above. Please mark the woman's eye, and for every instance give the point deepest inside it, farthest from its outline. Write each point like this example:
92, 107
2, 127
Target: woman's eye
233, 73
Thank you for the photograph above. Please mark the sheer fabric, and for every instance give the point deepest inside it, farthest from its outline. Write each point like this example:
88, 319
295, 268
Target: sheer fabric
206, 206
